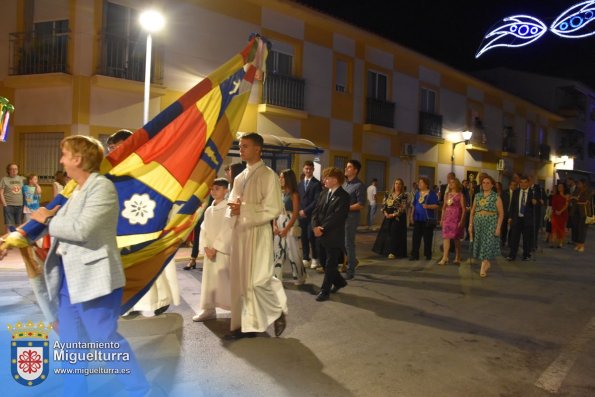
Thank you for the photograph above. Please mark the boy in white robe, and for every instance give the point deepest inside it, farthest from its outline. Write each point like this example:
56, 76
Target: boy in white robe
215, 241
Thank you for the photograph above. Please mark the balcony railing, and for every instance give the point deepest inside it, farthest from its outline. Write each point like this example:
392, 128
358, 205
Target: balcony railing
35, 53
380, 112
284, 91
430, 124
124, 58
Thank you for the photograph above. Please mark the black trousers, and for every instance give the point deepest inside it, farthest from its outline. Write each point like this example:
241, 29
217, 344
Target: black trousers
421, 230
331, 269
505, 233
522, 226
308, 240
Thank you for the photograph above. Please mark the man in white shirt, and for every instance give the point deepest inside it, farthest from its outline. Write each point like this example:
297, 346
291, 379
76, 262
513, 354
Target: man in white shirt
371, 194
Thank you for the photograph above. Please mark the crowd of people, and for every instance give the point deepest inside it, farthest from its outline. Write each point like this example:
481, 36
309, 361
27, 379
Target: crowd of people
259, 223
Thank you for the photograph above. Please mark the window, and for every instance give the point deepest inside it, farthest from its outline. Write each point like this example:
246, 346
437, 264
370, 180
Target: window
124, 45
340, 162
341, 76
376, 169
280, 59
40, 154
427, 172
377, 85
530, 127
541, 136
428, 101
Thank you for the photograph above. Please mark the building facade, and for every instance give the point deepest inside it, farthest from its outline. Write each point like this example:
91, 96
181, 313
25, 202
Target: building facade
76, 67
573, 100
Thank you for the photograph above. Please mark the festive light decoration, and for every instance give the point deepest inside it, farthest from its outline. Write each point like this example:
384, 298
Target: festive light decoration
576, 22
516, 31
521, 30
5, 110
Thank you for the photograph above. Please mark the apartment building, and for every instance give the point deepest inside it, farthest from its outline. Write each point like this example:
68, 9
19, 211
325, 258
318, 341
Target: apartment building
77, 67
573, 100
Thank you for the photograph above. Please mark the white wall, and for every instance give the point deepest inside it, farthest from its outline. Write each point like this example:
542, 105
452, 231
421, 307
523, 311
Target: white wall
209, 39
43, 106
406, 93
318, 73
453, 108
341, 135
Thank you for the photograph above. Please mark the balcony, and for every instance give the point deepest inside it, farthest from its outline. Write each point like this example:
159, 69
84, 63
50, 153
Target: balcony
380, 112
124, 58
284, 91
430, 124
36, 53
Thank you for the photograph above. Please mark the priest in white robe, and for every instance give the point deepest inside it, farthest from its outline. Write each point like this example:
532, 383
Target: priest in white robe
258, 298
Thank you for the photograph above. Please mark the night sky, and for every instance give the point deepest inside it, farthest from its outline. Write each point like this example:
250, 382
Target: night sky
452, 31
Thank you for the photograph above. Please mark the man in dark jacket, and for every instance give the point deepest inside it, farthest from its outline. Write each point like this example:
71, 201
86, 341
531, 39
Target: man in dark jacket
328, 224
309, 189
521, 219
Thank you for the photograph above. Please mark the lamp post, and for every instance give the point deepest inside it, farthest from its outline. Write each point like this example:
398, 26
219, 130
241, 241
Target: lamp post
564, 160
466, 138
151, 21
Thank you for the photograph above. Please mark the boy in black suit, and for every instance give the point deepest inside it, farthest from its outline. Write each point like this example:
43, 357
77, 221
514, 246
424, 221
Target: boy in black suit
328, 224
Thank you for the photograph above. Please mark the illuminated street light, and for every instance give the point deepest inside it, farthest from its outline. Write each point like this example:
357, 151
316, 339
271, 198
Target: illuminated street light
151, 21
466, 135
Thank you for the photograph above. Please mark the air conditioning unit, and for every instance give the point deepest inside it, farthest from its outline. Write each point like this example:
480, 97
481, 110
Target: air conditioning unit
408, 150
501, 165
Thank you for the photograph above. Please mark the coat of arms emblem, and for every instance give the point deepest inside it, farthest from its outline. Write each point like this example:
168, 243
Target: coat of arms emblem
29, 352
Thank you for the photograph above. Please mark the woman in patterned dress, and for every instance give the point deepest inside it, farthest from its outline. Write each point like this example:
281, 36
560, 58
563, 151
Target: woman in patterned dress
392, 236
452, 220
285, 244
484, 224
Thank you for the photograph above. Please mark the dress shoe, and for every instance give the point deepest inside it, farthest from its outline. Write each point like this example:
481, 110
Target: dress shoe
237, 334
336, 288
280, 324
205, 315
190, 265
322, 296
161, 310
348, 276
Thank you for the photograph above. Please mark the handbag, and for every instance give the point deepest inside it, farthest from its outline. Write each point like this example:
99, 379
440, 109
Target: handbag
296, 231
589, 220
430, 222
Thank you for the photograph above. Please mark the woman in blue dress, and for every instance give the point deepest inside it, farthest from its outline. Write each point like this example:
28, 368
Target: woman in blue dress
423, 218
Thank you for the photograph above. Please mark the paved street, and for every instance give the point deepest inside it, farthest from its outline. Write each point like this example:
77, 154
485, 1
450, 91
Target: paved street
400, 328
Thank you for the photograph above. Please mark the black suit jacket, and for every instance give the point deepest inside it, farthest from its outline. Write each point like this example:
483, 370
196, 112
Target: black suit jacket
331, 216
506, 197
309, 197
529, 207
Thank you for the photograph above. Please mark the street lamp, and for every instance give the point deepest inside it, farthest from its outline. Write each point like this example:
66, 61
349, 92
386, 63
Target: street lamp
152, 21
564, 159
466, 135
